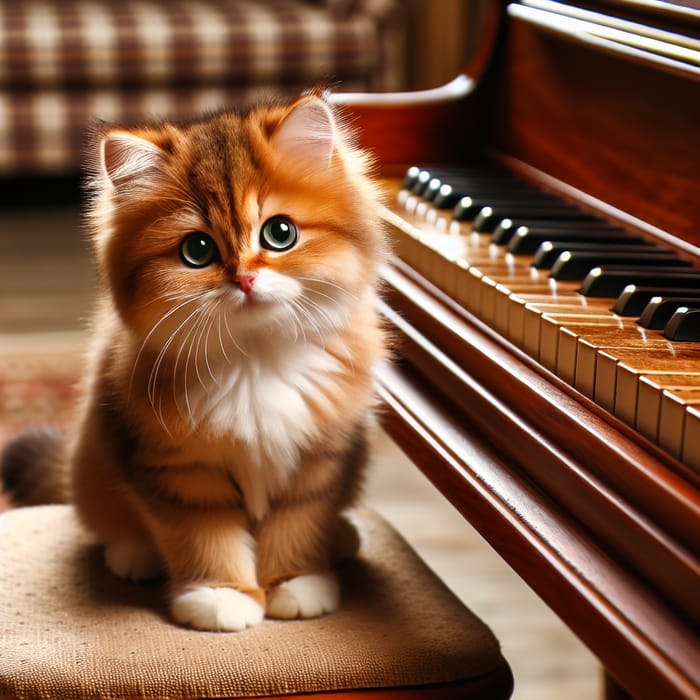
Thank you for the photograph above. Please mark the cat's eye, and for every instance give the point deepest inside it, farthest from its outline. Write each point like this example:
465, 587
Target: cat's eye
279, 233
198, 249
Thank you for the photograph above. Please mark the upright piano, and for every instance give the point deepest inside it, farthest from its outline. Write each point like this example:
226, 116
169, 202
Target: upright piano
544, 294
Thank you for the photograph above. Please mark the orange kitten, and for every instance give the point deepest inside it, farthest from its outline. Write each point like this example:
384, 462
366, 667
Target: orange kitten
222, 429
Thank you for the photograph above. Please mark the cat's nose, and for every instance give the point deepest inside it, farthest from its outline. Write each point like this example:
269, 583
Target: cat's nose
245, 282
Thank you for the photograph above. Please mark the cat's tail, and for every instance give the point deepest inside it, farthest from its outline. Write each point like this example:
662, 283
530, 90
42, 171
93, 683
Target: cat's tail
33, 469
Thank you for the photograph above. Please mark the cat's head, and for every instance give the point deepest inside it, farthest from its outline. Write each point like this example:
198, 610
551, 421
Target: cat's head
261, 221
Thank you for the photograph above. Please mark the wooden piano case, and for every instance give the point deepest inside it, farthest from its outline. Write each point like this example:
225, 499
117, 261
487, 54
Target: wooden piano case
603, 524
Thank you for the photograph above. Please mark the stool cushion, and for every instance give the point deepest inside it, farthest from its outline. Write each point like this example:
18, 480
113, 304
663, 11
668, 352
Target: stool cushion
70, 629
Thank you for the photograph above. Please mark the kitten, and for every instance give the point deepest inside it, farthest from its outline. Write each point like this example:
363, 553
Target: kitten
222, 427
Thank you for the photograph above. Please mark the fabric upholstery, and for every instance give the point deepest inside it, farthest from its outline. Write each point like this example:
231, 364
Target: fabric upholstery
63, 62
69, 629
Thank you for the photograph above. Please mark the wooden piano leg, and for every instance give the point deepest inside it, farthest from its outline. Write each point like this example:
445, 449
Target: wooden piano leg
612, 690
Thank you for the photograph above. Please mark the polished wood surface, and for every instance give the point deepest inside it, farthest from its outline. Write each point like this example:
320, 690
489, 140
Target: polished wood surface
598, 516
620, 129
590, 517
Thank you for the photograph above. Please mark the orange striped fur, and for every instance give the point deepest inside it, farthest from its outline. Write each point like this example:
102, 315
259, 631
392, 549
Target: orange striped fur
222, 432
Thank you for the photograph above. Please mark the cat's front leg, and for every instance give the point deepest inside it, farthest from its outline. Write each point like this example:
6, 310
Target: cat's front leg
211, 562
107, 506
294, 558
315, 594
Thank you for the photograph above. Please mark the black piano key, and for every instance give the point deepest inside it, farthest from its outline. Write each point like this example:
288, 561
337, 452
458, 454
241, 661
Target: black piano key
657, 313
481, 171
494, 182
504, 232
469, 172
526, 240
425, 182
422, 180
431, 191
684, 325
469, 206
451, 192
469, 175
550, 251
418, 180
634, 298
489, 217
447, 197
492, 185
410, 177
571, 265
609, 281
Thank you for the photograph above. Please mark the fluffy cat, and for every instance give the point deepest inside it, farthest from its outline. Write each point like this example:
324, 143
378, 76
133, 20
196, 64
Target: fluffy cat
222, 426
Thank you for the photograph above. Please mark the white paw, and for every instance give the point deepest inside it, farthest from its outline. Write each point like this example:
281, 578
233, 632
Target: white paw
216, 609
312, 595
133, 560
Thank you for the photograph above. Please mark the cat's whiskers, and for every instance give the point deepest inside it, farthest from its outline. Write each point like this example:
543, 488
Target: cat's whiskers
316, 309
185, 340
211, 312
197, 341
343, 309
148, 336
160, 298
221, 340
153, 378
329, 283
231, 338
152, 383
293, 310
203, 324
338, 345
345, 313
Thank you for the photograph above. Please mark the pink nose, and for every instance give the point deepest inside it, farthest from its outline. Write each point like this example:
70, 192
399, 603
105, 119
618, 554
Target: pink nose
245, 282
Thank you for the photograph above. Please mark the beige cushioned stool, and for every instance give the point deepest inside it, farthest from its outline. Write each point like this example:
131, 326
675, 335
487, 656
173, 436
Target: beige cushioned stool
69, 629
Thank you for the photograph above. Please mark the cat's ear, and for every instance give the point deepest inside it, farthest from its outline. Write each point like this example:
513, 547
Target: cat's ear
127, 157
308, 132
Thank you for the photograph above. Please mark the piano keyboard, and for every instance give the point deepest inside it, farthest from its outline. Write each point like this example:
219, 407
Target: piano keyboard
612, 314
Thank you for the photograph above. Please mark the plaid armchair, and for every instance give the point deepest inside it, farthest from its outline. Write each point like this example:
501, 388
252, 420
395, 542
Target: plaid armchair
63, 62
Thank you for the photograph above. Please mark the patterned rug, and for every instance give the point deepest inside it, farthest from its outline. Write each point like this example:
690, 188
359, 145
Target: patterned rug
38, 378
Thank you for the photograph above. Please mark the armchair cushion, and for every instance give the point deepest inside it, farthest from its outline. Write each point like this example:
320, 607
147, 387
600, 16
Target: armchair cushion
62, 63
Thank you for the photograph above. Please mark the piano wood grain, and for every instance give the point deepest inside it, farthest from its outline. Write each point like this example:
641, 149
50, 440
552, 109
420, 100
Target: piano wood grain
598, 519
641, 125
547, 512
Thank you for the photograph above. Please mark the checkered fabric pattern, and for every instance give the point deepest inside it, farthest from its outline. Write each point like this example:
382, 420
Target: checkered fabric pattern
65, 62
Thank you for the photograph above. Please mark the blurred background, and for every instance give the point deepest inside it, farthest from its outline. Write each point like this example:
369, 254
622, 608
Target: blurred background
64, 63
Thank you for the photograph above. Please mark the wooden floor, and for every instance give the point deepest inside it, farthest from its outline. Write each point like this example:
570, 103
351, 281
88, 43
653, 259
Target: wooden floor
45, 287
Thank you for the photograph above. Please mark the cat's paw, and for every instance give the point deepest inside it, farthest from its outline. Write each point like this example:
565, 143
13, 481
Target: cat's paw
216, 609
311, 595
133, 560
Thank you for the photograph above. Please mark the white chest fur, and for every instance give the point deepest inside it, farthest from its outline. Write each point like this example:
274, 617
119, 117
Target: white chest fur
262, 402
